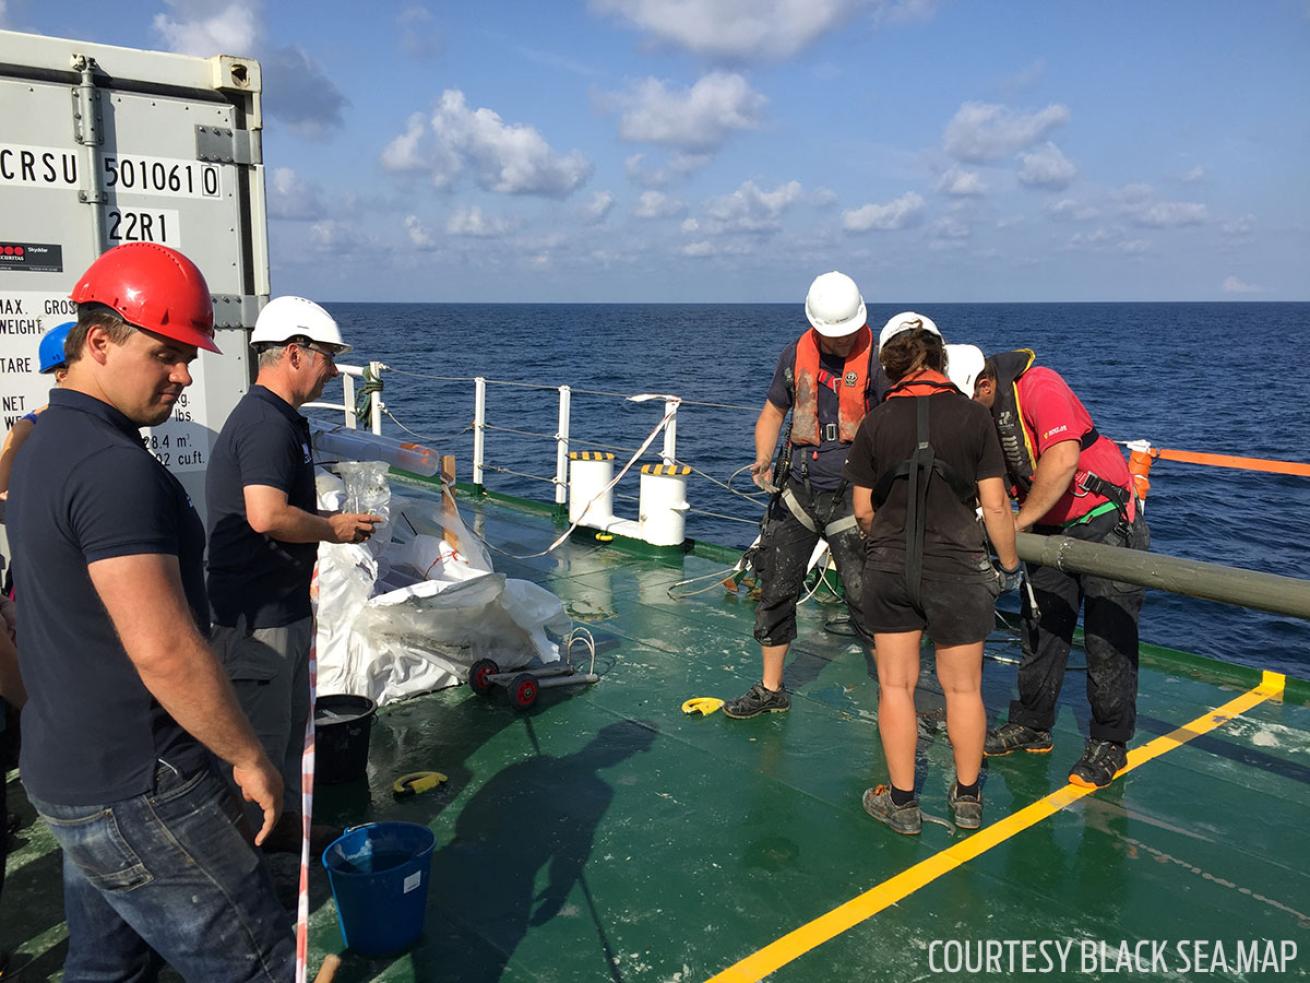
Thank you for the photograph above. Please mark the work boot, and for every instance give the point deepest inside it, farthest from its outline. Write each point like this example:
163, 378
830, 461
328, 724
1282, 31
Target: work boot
906, 819
1011, 737
757, 700
1101, 763
967, 809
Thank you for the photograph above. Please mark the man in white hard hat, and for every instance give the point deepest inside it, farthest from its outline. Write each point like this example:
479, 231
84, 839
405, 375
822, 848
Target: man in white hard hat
826, 379
264, 531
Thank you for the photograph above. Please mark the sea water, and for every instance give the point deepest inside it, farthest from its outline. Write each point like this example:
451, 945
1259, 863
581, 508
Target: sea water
1231, 378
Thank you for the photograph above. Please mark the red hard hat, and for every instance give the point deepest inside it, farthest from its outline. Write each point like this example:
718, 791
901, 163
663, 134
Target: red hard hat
152, 287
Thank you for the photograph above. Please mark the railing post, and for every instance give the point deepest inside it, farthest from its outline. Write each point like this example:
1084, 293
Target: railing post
348, 394
562, 450
670, 452
479, 428
375, 399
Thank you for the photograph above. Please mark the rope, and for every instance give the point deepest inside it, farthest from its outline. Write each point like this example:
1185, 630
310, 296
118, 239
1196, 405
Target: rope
413, 433
518, 474
363, 396
434, 378
521, 433
726, 518
307, 793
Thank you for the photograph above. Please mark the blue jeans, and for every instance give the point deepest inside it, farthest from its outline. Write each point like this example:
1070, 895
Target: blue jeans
168, 875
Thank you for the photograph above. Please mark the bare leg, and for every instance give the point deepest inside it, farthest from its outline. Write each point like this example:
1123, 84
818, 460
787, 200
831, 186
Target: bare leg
897, 656
774, 656
959, 669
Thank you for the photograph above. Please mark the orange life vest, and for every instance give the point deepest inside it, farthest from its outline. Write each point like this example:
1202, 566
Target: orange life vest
852, 389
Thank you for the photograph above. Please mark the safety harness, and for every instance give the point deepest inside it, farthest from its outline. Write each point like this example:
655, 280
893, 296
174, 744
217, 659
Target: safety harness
918, 471
851, 387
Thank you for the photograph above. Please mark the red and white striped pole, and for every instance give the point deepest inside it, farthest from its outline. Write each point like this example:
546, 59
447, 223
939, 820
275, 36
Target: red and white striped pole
307, 793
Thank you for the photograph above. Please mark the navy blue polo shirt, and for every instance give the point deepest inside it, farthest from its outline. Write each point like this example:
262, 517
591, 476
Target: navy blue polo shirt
84, 488
251, 575
825, 462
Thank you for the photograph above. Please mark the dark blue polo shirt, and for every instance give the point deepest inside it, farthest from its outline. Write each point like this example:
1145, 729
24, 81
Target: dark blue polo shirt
825, 462
85, 489
264, 442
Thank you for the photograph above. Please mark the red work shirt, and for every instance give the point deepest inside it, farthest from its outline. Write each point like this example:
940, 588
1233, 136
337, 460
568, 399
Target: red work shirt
1052, 413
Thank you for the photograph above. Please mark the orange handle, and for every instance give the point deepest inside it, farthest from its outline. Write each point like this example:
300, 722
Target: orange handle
1228, 461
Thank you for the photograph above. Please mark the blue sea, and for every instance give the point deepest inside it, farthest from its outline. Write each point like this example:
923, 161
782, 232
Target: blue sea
1225, 378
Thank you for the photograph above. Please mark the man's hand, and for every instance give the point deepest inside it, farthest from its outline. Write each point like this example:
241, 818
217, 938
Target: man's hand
352, 527
760, 474
261, 784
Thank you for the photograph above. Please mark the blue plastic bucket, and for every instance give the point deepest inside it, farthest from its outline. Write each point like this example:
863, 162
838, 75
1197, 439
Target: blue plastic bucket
379, 875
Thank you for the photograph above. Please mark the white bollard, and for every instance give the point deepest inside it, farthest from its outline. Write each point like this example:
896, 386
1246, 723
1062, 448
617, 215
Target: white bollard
664, 503
589, 473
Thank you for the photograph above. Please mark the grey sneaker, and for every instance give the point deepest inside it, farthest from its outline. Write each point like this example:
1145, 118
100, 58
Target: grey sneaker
757, 700
1016, 737
906, 819
1101, 763
967, 809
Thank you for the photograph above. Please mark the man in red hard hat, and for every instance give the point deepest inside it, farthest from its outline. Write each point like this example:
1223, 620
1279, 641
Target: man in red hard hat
126, 702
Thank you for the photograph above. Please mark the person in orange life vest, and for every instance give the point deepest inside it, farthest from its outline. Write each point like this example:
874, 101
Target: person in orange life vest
921, 464
826, 380
1070, 481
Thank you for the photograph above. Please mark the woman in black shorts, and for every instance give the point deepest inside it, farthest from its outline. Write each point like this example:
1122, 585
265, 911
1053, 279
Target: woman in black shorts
921, 464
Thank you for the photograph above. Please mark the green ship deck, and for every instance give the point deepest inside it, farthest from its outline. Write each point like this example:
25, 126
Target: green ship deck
603, 835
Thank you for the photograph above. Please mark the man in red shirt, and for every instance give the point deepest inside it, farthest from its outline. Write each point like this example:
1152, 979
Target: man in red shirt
1073, 482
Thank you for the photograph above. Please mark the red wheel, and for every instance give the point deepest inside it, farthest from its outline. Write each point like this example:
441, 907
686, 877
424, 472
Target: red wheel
479, 680
523, 690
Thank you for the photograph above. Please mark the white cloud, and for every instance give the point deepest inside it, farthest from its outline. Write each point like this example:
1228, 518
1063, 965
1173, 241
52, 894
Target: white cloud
697, 119
1046, 167
981, 132
1233, 285
950, 227
719, 247
1133, 194
656, 204
1169, 214
503, 157
1133, 247
823, 197
472, 222
679, 166
330, 235
200, 29
959, 182
895, 214
1240, 227
418, 34
418, 234
690, 226
737, 29
292, 197
599, 206
1197, 173
749, 209
1092, 240
1069, 209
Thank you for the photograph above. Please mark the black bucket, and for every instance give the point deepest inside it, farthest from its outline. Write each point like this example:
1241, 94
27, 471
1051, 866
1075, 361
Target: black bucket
341, 729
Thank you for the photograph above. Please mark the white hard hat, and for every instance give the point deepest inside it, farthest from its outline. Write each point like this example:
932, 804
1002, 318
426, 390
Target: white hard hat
284, 318
906, 321
964, 363
834, 305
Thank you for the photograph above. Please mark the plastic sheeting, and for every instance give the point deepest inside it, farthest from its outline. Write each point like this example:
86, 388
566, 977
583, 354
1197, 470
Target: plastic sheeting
416, 606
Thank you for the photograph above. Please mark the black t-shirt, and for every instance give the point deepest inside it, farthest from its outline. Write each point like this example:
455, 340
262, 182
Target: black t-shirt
963, 436
826, 461
84, 489
264, 442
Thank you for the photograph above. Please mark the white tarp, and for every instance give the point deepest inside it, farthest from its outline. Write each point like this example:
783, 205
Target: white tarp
413, 609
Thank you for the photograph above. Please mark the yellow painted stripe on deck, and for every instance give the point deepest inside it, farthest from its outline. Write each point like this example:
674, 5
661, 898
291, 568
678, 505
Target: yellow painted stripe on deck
812, 935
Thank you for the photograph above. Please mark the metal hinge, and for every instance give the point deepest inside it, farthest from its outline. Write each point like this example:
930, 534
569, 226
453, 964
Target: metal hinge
236, 310
220, 145
88, 122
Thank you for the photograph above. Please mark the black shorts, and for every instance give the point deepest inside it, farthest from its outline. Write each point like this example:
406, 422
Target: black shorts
952, 613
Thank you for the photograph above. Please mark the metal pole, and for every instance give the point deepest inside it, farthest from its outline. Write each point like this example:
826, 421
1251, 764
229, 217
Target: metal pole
562, 448
1210, 581
479, 428
348, 392
670, 452
375, 399
87, 129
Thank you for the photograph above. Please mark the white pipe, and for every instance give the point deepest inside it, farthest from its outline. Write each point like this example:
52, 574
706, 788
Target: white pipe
562, 447
348, 394
670, 452
375, 399
591, 500
479, 426
663, 506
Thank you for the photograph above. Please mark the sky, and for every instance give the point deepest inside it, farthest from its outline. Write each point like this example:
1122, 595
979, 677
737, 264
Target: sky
731, 150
